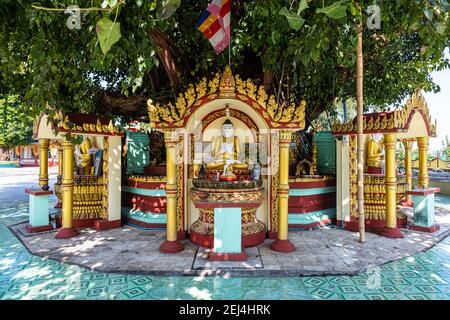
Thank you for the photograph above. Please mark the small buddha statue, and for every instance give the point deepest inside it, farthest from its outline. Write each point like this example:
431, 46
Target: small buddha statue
225, 152
374, 154
85, 158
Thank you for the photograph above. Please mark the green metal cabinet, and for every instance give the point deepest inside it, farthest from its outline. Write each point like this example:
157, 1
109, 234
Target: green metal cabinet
138, 156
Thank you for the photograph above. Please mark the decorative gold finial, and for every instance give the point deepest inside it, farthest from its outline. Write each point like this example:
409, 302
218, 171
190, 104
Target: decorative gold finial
227, 82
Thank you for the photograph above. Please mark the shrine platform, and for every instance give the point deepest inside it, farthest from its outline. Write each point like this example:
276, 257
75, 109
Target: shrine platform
323, 251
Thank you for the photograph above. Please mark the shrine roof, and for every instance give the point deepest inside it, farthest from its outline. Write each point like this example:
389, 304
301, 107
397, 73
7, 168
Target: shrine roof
404, 121
75, 123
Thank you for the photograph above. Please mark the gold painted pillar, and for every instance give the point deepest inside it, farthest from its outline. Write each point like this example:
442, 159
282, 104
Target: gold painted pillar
57, 185
391, 229
282, 244
43, 163
67, 230
171, 245
60, 159
423, 162
314, 152
408, 168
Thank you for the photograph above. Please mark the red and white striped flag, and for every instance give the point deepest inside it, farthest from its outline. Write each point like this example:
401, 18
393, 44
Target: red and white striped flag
215, 24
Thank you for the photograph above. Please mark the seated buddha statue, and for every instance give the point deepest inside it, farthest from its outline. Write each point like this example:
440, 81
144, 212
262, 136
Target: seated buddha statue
225, 152
374, 154
85, 158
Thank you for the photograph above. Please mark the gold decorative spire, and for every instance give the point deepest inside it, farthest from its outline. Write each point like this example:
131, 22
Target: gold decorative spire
227, 82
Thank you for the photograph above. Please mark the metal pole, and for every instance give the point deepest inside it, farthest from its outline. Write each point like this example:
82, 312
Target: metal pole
229, 44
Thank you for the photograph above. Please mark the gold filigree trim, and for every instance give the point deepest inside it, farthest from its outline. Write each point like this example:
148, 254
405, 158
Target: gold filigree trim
397, 120
227, 85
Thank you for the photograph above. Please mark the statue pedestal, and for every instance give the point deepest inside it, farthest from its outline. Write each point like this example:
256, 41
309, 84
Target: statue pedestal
227, 221
38, 212
423, 209
227, 234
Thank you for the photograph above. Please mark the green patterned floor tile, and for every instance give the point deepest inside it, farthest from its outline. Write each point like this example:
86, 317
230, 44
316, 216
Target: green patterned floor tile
134, 293
375, 296
436, 280
97, 292
427, 289
314, 281
395, 296
141, 280
354, 297
399, 281
389, 289
340, 281
117, 280
352, 289
324, 294
416, 296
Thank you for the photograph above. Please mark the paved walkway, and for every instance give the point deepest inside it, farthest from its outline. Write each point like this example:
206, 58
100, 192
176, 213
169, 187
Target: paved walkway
425, 275
325, 251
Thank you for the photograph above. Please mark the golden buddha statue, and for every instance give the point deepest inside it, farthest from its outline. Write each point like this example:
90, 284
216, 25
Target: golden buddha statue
225, 152
374, 154
85, 158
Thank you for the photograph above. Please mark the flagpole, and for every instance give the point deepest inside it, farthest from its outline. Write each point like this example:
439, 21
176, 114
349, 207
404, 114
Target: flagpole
229, 43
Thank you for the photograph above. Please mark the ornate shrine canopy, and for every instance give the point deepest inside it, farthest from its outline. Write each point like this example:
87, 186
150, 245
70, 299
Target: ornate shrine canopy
73, 123
412, 121
227, 87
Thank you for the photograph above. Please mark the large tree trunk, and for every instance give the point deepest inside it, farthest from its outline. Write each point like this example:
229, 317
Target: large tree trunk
135, 106
267, 79
166, 55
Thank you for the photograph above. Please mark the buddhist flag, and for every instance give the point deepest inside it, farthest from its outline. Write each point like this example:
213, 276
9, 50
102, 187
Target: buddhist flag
215, 24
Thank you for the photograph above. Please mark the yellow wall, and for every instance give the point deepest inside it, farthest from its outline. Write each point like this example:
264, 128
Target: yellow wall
433, 164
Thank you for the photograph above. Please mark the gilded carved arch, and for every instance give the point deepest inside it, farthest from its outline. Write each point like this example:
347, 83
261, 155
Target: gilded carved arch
226, 86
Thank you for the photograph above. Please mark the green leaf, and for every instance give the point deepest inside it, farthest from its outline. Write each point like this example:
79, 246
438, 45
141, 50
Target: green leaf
337, 10
303, 5
440, 28
305, 59
168, 9
429, 14
108, 33
295, 22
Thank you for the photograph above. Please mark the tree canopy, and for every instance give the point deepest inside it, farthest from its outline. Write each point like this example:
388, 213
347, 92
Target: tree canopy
130, 51
15, 122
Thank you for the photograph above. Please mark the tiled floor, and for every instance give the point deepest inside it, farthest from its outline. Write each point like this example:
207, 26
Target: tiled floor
24, 276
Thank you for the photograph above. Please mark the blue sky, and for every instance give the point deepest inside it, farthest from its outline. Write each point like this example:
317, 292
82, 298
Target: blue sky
439, 105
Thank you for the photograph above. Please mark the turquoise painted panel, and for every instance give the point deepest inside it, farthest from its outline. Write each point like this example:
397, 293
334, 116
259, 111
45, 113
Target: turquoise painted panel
138, 156
326, 153
227, 230
424, 210
311, 192
9, 165
145, 192
144, 216
38, 210
311, 217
